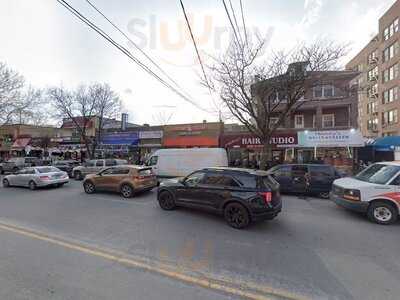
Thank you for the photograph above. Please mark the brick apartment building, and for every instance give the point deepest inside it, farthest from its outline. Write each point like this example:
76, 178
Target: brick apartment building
379, 78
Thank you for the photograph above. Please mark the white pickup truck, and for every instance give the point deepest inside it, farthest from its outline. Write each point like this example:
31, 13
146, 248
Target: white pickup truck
375, 191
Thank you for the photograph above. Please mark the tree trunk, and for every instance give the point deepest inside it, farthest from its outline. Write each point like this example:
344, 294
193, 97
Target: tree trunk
266, 155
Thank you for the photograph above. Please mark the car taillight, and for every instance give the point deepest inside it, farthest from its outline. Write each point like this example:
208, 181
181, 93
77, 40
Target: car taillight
267, 197
44, 178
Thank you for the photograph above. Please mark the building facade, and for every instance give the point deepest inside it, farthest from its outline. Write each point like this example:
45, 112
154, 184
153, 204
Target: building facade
378, 81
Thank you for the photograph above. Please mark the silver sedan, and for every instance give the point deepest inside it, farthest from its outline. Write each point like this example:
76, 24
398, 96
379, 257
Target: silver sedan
36, 177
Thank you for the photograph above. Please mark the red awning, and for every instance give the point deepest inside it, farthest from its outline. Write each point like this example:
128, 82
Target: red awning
21, 143
191, 141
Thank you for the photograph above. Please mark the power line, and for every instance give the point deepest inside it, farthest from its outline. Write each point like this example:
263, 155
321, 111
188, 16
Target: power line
230, 21
244, 23
134, 44
235, 19
125, 51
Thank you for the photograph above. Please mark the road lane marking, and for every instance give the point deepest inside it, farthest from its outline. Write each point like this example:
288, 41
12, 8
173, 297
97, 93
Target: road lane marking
246, 290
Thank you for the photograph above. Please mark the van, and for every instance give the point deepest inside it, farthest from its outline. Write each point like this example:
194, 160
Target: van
182, 162
375, 191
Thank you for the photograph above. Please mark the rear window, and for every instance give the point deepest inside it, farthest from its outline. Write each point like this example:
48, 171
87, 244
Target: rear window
48, 170
270, 182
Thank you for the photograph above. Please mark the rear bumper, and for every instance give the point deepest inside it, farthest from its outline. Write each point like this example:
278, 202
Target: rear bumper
52, 182
267, 215
358, 206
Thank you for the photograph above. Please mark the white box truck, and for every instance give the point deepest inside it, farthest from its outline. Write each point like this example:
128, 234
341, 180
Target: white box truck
182, 162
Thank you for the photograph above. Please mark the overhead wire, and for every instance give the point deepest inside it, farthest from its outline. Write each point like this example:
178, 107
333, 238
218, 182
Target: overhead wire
122, 49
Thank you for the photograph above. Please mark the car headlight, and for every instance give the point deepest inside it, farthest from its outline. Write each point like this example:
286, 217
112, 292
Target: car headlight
351, 194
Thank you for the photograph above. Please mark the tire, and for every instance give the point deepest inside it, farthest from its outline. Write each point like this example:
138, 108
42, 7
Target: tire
236, 215
6, 183
382, 213
324, 195
32, 185
89, 187
78, 175
166, 200
126, 191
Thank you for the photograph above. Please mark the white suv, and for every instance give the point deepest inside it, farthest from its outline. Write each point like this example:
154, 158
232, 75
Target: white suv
375, 191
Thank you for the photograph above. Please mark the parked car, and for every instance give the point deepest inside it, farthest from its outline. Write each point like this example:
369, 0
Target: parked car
95, 166
293, 178
17, 163
374, 191
66, 166
182, 162
36, 177
242, 196
126, 180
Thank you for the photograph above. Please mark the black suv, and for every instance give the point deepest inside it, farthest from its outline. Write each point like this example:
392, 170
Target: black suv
240, 195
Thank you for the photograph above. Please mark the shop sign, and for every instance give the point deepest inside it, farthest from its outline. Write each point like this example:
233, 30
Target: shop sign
249, 141
151, 134
121, 138
331, 138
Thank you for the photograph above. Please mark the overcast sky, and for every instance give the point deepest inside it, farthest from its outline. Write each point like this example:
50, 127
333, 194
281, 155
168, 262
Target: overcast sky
49, 46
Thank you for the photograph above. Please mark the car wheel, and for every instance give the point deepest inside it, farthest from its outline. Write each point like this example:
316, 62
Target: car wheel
382, 213
89, 187
6, 183
324, 195
166, 200
32, 185
78, 175
126, 191
236, 215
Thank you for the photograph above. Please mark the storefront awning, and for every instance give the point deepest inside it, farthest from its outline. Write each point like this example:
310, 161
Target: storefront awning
387, 143
21, 143
191, 141
125, 138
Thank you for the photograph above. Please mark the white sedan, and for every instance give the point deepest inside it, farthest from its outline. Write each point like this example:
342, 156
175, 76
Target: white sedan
36, 177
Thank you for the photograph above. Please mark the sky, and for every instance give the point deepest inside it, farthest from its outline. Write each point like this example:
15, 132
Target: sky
50, 47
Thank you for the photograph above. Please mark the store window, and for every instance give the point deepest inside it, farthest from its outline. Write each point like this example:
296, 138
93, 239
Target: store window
299, 121
328, 121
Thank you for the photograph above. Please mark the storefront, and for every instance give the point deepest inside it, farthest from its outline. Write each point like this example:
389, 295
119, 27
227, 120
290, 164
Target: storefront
192, 135
333, 147
245, 149
149, 141
120, 145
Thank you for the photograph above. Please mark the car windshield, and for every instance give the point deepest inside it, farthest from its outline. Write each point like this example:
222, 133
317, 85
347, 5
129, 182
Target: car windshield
378, 173
47, 170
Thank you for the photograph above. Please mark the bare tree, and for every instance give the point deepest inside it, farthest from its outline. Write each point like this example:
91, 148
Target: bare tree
31, 108
82, 106
11, 84
107, 107
261, 95
163, 116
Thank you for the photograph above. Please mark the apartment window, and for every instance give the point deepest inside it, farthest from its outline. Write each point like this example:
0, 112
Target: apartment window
372, 107
372, 124
328, 121
389, 31
324, 91
391, 73
391, 51
299, 121
390, 95
373, 74
389, 117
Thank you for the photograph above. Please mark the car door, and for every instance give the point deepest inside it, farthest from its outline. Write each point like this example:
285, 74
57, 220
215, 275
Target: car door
189, 192
216, 188
283, 174
102, 180
299, 181
15, 179
321, 178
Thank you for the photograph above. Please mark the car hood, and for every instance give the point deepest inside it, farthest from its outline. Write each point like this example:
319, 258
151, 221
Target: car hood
172, 182
352, 183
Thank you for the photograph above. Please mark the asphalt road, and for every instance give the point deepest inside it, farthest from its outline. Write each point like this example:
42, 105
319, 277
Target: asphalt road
314, 250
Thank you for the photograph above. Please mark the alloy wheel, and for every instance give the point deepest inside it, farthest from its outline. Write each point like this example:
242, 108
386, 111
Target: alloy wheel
166, 201
89, 187
126, 191
236, 215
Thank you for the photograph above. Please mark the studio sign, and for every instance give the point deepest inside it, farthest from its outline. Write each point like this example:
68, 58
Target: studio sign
278, 140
